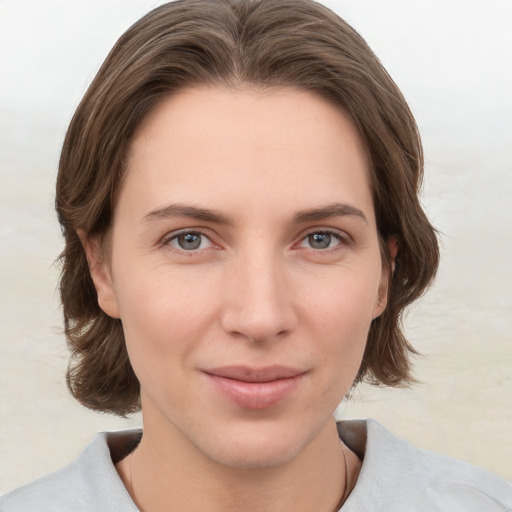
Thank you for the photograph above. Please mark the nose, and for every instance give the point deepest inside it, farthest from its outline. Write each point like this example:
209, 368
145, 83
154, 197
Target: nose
257, 302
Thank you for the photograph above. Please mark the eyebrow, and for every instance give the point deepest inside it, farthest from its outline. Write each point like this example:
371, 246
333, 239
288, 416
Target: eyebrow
191, 212
203, 214
331, 210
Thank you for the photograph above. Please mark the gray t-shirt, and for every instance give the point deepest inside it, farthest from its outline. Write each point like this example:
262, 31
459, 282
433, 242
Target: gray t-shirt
395, 477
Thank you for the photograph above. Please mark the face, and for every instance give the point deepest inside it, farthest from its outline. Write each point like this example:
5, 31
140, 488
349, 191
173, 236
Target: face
245, 267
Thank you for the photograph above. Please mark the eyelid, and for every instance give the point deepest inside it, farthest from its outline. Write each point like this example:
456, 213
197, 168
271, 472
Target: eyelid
173, 235
342, 236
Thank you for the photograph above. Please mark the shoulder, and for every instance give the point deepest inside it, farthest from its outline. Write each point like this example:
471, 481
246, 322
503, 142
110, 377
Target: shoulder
396, 477
90, 483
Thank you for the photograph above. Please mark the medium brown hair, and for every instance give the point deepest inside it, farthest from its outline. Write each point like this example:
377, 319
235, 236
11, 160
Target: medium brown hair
297, 43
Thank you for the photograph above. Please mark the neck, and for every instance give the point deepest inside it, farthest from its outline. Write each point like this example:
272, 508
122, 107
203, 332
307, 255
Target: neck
168, 473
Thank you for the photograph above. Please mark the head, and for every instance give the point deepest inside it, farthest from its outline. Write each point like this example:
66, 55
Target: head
262, 46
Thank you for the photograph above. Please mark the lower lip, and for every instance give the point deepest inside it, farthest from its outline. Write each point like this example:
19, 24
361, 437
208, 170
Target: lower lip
256, 395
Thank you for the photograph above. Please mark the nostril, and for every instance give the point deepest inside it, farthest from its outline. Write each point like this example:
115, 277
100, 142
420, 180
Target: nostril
256, 305
258, 335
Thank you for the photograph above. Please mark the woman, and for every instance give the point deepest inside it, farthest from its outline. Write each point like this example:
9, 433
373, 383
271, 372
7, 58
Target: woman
238, 194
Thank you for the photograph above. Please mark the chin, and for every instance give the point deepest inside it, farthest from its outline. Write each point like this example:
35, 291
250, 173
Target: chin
254, 446
253, 457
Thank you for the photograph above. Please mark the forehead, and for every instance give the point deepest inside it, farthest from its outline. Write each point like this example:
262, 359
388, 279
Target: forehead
268, 116
269, 143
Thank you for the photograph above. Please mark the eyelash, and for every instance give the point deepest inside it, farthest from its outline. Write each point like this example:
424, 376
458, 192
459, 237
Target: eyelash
342, 239
175, 235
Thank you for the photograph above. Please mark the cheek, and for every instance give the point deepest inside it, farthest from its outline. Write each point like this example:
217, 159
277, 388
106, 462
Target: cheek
164, 316
346, 300
339, 317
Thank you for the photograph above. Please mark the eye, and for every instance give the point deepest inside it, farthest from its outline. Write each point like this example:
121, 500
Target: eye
319, 240
189, 241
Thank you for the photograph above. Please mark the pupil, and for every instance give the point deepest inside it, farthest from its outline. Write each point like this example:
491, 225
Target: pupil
189, 241
320, 240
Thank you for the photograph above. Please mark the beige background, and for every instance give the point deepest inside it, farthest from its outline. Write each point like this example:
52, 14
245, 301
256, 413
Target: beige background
452, 60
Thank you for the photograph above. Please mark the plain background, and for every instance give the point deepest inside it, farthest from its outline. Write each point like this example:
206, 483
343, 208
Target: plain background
453, 61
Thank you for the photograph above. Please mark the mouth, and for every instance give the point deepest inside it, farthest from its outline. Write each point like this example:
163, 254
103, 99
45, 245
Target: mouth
255, 388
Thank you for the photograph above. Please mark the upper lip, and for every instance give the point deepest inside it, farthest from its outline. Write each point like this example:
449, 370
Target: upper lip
249, 374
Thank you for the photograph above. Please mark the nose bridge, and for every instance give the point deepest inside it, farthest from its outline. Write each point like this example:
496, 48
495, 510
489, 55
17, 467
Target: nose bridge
256, 305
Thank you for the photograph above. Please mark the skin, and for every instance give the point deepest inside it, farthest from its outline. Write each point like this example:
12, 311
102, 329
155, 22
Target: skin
258, 291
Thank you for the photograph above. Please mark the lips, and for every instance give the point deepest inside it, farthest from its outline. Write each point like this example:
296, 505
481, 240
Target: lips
255, 388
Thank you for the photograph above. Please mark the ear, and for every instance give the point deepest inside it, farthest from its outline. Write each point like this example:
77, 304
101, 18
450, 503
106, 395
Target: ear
386, 276
101, 275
